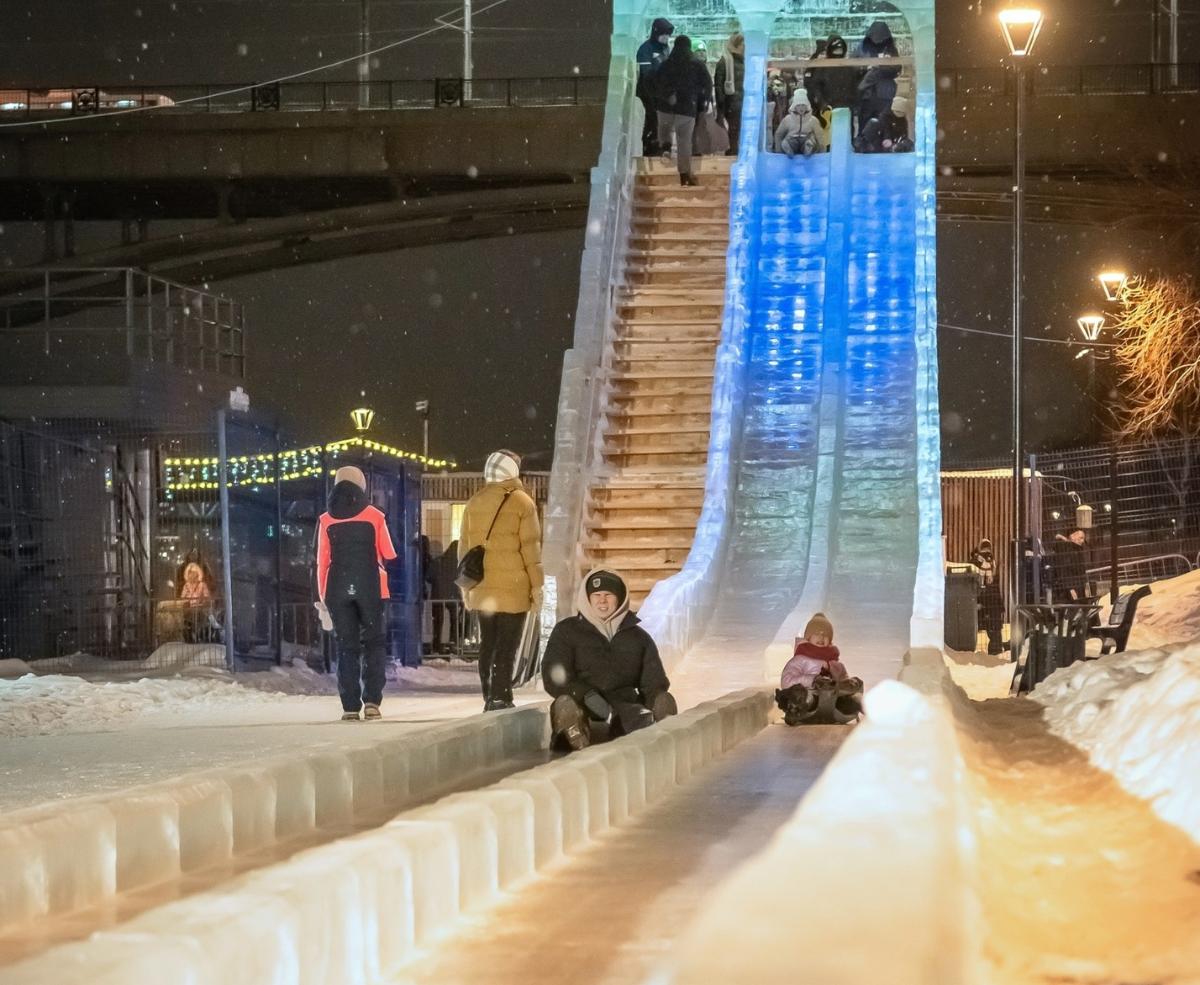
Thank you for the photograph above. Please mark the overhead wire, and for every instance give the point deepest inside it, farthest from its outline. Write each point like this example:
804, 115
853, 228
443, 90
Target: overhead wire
442, 25
1026, 338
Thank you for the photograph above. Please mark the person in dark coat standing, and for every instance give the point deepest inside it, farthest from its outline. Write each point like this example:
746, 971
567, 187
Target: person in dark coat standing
601, 666
831, 85
446, 600
1070, 567
353, 543
681, 88
991, 602
878, 86
652, 53
729, 83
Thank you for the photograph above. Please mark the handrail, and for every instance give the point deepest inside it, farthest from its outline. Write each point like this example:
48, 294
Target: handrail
384, 94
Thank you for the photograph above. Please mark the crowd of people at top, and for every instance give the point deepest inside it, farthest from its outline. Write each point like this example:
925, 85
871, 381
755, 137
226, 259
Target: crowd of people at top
692, 111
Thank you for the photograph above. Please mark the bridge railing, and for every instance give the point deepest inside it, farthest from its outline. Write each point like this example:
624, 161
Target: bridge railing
85, 325
439, 93
1073, 80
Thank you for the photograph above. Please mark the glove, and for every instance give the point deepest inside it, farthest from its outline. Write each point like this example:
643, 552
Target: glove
597, 706
323, 615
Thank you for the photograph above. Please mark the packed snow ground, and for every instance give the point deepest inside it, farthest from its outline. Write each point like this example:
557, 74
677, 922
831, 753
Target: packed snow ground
67, 736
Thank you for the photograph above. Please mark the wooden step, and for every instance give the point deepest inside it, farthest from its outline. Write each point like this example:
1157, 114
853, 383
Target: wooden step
658, 459
655, 331
625, 377
634, 520
668, 421
610, 497
641, 559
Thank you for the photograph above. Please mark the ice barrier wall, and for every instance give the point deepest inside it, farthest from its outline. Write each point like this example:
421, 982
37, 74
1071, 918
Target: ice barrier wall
812, 432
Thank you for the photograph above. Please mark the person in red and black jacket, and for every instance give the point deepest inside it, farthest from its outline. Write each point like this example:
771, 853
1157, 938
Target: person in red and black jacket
352, 545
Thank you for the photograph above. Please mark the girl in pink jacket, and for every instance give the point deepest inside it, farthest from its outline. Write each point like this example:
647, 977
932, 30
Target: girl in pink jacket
814, 654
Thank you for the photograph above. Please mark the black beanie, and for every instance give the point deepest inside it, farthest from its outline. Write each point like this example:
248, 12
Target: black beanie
606, 581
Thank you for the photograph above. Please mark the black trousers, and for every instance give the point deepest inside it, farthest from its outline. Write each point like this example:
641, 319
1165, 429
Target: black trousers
440, 611
358, 627
499, 637
733, 121
650, 146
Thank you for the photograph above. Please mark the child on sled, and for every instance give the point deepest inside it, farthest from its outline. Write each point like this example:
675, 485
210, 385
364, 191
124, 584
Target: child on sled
816, 668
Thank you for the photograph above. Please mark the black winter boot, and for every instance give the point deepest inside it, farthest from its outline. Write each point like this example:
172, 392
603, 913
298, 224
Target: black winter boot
664, 706
569, 724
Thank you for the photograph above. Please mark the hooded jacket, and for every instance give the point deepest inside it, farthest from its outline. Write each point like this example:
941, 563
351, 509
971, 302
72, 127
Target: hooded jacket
830, 84
798, 132
352, 545
581, 656
878, 42
512, 559
682, 84
653, 52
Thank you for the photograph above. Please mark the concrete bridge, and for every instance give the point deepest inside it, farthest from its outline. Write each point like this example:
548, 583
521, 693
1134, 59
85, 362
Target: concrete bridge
284, 187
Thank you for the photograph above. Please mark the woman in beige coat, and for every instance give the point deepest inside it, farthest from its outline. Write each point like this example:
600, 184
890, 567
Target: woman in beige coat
512, 571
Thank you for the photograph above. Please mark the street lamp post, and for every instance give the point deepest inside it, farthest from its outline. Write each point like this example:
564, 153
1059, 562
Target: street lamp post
1020, 27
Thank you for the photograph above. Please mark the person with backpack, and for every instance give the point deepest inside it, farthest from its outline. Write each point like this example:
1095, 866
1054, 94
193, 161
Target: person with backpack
651, 55
353, 544
729, 81
681, 87
501, 520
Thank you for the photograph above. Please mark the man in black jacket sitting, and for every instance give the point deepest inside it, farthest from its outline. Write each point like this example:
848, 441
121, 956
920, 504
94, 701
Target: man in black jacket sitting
601, 666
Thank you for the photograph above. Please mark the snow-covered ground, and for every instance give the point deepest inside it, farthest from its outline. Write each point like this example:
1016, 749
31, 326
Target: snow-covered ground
1169, 614
68, 736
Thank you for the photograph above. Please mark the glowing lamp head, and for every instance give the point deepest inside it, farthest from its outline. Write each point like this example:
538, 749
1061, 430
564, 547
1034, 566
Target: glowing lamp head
362, 417
1021, 26
1114, 283
1091, 326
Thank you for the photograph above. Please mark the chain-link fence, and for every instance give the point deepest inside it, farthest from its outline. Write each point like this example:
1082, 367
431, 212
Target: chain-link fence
121, 548
1138, 507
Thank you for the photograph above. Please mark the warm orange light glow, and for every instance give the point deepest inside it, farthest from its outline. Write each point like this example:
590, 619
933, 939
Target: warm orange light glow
1021, 26
1113, 282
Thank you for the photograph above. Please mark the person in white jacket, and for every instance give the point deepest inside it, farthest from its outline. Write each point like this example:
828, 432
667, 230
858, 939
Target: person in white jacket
799, 131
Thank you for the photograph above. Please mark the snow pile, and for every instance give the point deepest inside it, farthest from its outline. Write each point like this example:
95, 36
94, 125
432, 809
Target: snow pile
56, 704
1137, 715
1170, 614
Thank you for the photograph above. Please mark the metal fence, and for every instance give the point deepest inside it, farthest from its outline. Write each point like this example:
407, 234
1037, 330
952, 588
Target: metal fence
117, 539
991, 82
1139, 506
438, 93
88, 325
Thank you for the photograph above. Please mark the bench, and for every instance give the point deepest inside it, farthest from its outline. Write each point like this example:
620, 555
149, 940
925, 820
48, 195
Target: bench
1114, 634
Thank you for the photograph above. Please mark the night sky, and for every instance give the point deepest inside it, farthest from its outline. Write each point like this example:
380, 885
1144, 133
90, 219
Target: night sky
480, 328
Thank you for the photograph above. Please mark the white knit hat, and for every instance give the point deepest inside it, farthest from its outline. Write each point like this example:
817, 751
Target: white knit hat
351, 473
501, 466
900, 106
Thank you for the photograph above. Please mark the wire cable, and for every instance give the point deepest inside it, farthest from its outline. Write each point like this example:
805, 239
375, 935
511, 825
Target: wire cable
442, 25
1027, 338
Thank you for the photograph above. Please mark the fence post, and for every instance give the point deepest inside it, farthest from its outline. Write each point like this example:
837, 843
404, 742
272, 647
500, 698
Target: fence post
1114, 525
278, 555
1033, 510
226, 561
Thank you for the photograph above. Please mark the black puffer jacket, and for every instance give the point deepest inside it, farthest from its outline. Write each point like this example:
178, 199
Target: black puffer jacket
579, 659
682, 85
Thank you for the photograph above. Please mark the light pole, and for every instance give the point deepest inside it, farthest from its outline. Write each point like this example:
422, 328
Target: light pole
423, 410
364, 45
1020, 27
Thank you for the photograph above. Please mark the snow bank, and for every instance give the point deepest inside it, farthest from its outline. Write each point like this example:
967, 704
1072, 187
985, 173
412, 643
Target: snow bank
56, 704
357, 909
1137, 715
12, 667
1170, 614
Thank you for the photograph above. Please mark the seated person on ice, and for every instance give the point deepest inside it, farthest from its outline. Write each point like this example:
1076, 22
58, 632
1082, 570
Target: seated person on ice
601, 666
815, 663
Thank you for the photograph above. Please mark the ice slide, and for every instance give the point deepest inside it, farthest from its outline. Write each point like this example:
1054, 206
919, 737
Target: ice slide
821, 490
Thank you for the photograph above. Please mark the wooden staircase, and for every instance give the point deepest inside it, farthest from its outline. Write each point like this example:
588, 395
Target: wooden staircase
645, 501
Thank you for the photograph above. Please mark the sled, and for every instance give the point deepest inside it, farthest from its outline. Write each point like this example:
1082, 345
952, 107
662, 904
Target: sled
827, 702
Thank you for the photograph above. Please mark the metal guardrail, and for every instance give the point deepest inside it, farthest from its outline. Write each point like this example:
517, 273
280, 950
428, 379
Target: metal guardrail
1073, 80
1143, 570
126, 312
439, 93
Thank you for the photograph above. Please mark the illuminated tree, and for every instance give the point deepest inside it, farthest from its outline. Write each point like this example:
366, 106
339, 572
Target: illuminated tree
1157, 356
1158, 359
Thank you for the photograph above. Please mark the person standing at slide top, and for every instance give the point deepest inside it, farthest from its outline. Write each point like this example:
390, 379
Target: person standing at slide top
503, 519
353, 544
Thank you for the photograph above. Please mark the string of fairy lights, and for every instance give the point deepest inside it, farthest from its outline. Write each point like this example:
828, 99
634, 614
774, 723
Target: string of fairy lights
189, 474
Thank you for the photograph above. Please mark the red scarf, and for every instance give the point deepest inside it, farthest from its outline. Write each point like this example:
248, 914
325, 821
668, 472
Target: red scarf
825, 653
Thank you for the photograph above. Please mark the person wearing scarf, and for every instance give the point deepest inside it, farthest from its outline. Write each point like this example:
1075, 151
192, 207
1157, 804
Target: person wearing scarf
601, 666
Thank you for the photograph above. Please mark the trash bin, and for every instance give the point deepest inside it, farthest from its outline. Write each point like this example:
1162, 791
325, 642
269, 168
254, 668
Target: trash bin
1052, 636
961, 623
